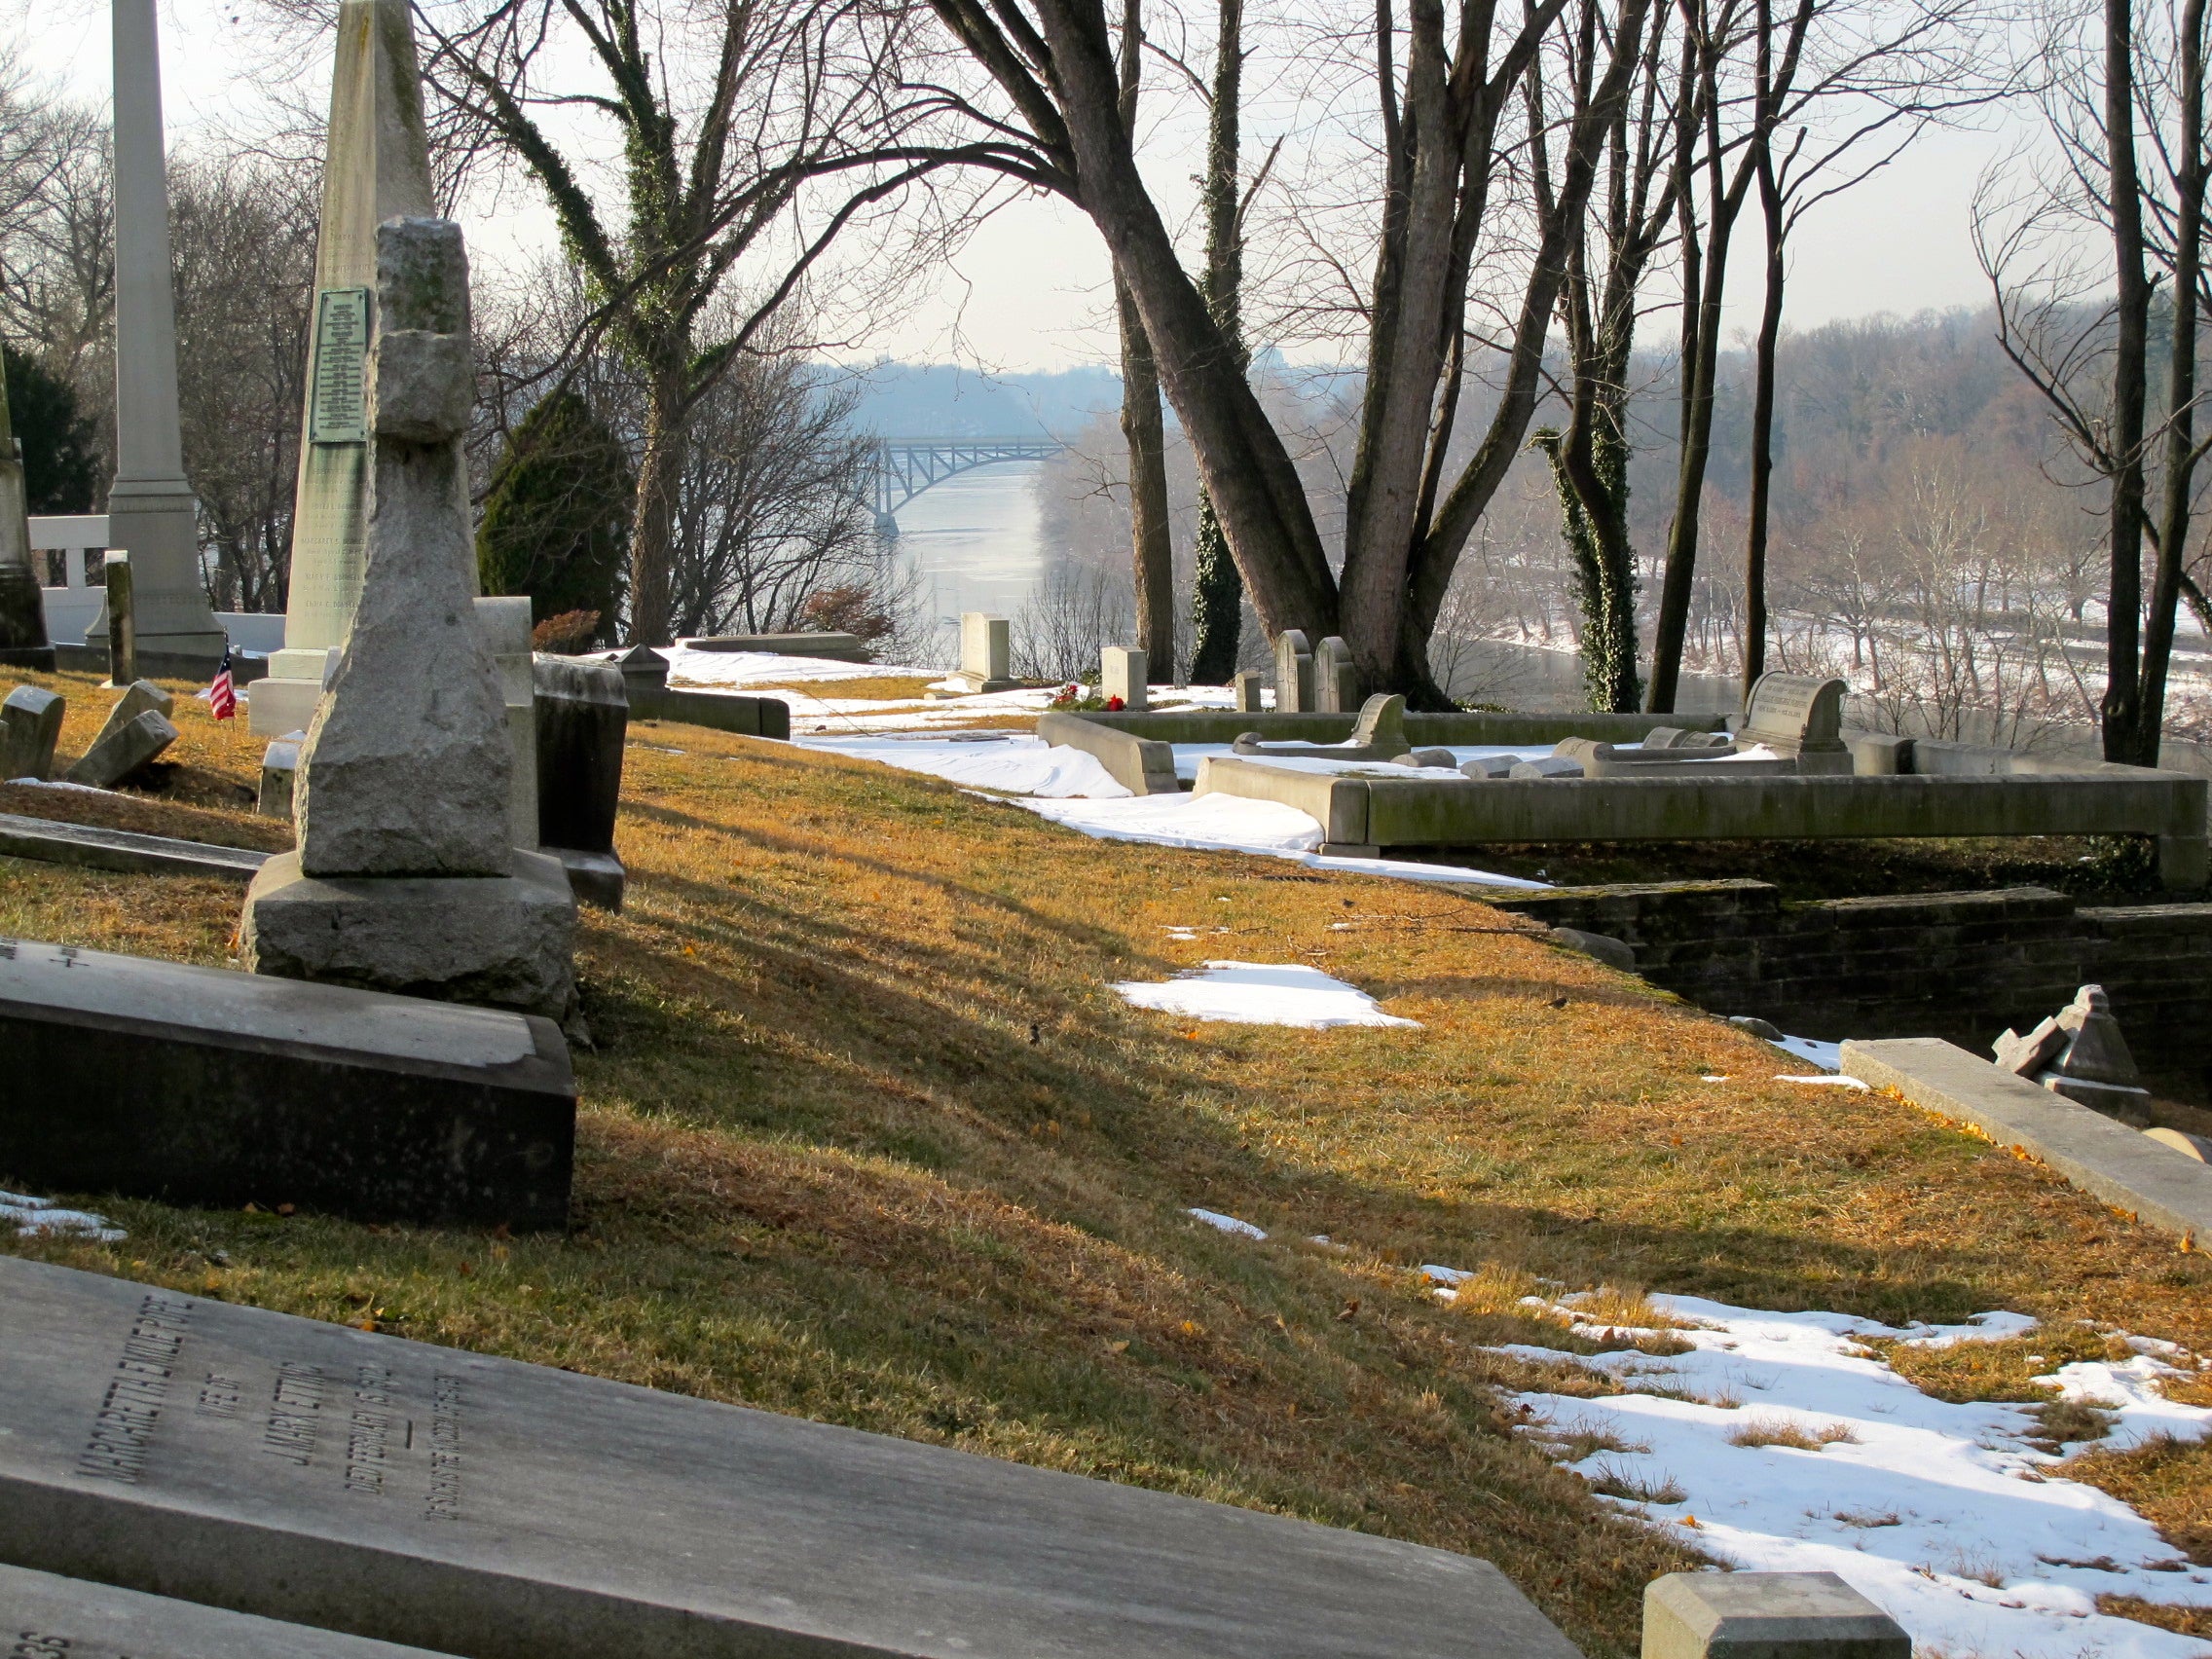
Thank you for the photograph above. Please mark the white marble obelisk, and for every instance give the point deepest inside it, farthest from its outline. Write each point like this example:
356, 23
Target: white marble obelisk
376, 167
150, 508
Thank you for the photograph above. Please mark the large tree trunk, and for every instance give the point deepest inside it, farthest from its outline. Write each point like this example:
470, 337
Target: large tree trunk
1217, 597
1762, 433
2123, 710
2181, 390
1152, 551
652, 534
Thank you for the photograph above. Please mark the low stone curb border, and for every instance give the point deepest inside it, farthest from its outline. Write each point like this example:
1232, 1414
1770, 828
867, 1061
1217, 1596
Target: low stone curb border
91, 847
2123, 1166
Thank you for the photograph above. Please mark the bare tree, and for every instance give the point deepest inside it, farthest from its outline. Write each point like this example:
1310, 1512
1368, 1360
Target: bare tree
1152, 546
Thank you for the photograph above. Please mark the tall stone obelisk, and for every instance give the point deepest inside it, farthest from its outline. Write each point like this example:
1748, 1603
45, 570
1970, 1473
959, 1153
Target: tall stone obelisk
376, 167
150, 509
23, 607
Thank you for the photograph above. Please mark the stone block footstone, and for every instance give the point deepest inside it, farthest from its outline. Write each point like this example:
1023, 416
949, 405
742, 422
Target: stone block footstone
1765, 1615
1125, 671
31, 726
206, 1087
121, 750
499, 1510
279, 777
44, 1616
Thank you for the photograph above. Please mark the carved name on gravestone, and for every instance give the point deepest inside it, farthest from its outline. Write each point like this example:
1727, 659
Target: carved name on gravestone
1800, 717
338, 407
506, 1511
44, 1616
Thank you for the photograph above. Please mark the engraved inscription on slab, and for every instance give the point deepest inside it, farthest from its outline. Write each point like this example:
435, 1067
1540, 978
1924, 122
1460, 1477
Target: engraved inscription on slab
339, 411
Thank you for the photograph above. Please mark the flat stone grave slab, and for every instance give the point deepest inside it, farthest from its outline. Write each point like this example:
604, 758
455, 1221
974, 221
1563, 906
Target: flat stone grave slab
91, 847
499, 1510
201, 1085
45, 1617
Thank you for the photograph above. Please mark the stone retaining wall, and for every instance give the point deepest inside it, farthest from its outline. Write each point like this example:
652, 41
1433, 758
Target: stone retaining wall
1962, 966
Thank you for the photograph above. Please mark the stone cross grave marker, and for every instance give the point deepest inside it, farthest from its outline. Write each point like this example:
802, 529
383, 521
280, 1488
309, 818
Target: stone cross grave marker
1294, 673
483, 1507
1122, 673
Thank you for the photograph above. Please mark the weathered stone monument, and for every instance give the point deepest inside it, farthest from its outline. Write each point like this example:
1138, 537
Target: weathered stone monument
30, 725
119, 615
1121, 673
406, 877
1294, 673
23, 607
1250, 688
136, 730
1336, 682
2080, 1052
1800, 718
986, 653
378, 168
150, 509
582, 717
476, 1505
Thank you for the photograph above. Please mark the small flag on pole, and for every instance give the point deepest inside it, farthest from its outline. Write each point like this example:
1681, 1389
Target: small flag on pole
222, 696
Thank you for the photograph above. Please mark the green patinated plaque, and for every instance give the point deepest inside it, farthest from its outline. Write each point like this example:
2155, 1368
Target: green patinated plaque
338, 410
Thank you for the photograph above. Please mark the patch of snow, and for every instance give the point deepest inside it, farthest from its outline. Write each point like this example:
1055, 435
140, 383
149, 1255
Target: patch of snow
1262, 993
1822, 1078
697, 670
1014, 761
1996, 1327
1828, 1057
1944, 1514
1227, 1224
31, 1216
62, 784
1234, 824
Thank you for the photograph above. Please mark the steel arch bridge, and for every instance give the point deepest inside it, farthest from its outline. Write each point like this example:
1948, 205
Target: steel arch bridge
901, 469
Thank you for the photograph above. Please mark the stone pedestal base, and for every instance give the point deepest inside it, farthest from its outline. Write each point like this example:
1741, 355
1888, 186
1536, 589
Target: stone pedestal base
277, 707
506, 942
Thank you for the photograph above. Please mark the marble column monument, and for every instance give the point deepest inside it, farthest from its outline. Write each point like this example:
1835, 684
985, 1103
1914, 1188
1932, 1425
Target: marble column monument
150, 507
376, 168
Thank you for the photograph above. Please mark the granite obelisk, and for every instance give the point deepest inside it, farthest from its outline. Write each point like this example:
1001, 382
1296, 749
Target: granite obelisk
23, 608
376, 167
150, 507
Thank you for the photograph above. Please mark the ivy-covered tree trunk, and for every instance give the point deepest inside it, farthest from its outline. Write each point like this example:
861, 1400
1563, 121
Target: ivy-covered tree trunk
652, 534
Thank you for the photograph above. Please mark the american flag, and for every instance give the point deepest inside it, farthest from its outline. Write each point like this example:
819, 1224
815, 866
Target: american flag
222, 696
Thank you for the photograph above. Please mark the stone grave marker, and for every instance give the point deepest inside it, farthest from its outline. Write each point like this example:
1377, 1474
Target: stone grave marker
23, 606
137, 697
1294, 673
123, 750
43, 1617
1800, 718
1121, 673
582, 719
406, 876
498, 1510
1250, 688
1765, 1615
506, 621
279, 777
30, 725
1336, 682
986, 652
205, 1086
119, 616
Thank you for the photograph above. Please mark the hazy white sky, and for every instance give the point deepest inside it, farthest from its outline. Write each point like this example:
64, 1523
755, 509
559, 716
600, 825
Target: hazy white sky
1028, 291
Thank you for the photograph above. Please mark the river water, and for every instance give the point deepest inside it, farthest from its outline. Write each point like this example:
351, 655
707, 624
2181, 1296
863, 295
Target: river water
976, 539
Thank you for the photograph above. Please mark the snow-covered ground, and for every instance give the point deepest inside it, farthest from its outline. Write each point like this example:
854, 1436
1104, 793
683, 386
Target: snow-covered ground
27, 1215
1945, 1516
1012, 763
1262, 993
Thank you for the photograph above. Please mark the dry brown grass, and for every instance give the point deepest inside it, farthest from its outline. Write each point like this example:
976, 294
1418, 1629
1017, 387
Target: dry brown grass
871, 1139
1779, 1431
876, 689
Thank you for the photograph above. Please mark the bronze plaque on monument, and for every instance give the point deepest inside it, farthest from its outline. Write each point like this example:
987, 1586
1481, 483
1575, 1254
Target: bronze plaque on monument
338, 410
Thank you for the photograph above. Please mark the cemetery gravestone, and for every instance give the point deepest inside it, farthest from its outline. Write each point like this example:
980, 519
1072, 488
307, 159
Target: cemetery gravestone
207, 1086
23, 606
138, 698
1765, 1615
123, 750
279, 777
500, 1510
1294, 673
120, 617
1251, 695
406, 877
986, 652
378, 168
1800, 718
43, 1617
30, 725
1121, 673
506, 621
1336, 682
582, 719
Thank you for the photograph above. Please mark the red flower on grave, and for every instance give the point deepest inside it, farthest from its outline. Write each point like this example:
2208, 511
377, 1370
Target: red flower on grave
1113, 705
